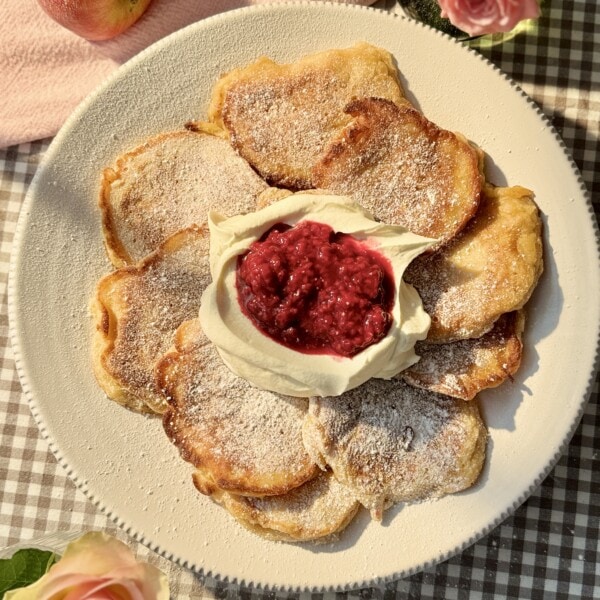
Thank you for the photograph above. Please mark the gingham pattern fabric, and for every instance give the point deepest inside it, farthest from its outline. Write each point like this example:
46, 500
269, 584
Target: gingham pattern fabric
548, 549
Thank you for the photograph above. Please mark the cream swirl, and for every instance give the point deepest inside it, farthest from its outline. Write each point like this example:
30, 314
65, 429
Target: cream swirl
269, 365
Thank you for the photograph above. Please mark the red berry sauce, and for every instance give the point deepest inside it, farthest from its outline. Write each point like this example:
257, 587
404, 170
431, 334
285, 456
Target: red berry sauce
316, 291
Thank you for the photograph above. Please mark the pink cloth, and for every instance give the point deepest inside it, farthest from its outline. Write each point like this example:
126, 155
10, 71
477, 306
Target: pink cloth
45, 70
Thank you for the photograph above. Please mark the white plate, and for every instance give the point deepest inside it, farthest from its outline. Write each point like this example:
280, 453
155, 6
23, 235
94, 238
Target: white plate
124, 463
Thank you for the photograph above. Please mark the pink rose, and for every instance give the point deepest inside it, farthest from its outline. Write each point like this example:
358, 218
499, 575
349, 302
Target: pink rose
97, 567
478, 17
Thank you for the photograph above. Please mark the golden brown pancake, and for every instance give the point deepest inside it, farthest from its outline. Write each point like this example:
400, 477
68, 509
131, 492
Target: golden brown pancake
462, 369
136, 312
241, 439
491, 268
403, 169
168, 183
316, 510
280, 117
390, 442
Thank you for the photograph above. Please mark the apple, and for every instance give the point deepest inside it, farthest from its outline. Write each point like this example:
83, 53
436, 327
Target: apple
95, 19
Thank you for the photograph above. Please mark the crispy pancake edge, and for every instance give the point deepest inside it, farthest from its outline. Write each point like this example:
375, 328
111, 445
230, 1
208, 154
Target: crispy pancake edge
469, 377
105, 328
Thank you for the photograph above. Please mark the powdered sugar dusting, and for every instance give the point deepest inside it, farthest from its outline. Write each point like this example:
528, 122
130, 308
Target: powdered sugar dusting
148, 303
281, 117
490, 269
403, 169
238, 432
391, 442
264, 120
462, 369
316, 509
170, 183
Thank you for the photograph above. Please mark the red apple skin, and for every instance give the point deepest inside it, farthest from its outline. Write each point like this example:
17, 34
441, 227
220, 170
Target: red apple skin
95, 19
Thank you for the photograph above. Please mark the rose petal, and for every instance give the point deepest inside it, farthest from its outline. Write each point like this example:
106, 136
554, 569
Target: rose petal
478, 17
63, 584
94, 553
106, 589
153, 582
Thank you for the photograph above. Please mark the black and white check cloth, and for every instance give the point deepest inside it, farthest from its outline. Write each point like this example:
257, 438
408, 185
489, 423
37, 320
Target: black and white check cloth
548, 549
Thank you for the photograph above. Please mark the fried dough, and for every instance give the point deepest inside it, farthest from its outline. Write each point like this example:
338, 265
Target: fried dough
462, 369
280, 117
316, 510
136, 311
241, 439
390, 442
403, 169
169, 183
491, 268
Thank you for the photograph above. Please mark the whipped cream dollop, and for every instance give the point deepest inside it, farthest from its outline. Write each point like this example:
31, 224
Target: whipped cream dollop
272, 366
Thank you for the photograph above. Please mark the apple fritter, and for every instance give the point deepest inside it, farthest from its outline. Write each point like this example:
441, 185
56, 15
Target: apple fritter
403, 169
241, 439
136, 311
316, 510
462, 369
491, 268
169, 183
390, 442
280, 117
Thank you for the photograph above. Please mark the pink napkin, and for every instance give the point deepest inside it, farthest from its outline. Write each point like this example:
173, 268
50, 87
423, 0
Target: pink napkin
45, 70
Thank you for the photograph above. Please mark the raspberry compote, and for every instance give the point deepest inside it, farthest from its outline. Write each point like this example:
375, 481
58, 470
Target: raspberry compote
316, 291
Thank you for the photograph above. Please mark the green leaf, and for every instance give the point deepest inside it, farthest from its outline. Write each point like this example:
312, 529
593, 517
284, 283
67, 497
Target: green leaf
24, 568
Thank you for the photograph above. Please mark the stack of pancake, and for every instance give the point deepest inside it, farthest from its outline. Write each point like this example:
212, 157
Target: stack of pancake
299, 469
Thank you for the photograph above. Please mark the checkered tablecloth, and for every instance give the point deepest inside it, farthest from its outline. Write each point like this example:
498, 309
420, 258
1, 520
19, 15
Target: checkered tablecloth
548, 549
